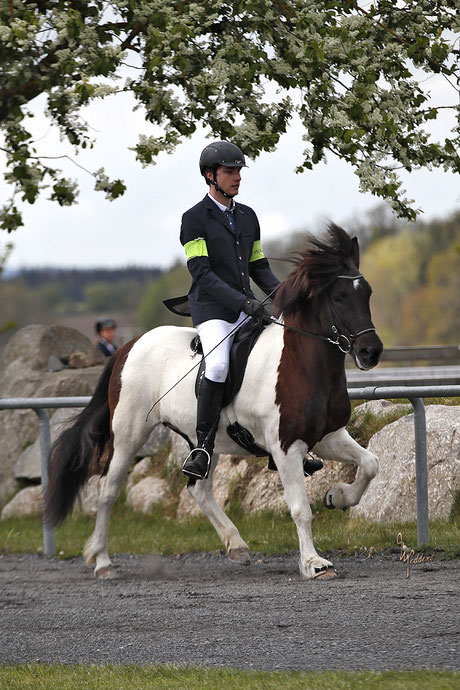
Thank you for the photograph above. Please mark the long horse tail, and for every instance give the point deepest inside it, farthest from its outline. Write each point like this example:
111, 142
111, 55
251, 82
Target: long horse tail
77, 451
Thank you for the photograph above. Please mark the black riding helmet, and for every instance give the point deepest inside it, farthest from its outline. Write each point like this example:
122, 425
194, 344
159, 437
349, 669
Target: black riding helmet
220, 153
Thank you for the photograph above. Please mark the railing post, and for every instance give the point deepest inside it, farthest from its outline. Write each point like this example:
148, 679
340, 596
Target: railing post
45, 445
421, 472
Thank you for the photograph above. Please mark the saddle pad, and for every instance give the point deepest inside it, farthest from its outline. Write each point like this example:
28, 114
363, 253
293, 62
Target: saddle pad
243, 343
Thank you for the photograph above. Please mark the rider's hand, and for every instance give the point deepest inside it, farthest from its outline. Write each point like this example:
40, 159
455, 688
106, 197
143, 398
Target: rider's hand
253, 307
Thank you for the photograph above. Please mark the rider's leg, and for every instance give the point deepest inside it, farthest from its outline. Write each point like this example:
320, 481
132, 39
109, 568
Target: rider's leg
211, 392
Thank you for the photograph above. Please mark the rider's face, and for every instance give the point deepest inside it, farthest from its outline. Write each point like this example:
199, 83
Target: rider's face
228, 179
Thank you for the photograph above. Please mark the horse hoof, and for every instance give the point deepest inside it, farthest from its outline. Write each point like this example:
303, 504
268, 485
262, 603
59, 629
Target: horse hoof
325, 573
104, 573
240, 555
327, 501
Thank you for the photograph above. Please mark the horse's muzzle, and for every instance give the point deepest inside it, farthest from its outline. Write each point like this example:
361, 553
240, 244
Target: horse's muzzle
368, 351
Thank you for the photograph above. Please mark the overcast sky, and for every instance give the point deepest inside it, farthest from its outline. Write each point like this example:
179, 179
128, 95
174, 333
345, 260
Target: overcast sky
142, 227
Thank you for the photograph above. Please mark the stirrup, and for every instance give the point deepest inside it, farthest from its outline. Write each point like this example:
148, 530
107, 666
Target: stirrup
195, 475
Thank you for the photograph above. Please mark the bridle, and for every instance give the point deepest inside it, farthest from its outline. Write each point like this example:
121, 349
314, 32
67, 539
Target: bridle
342, 341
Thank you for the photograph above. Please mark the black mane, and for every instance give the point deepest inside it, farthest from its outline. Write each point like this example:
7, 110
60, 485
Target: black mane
316, 268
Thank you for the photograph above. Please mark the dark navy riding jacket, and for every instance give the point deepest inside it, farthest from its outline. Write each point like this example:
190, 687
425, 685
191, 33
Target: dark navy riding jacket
222, 260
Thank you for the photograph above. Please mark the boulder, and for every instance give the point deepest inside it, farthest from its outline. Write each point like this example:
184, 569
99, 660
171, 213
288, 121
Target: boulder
28, 501
230, 470
378, 408
142, 469
392, 493
178, 452
28, 464
24, 374
264, 492
87, 503
35, 344
143, 495
159, 440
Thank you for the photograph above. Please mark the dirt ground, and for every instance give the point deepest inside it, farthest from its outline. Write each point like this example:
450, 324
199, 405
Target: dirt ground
203, 609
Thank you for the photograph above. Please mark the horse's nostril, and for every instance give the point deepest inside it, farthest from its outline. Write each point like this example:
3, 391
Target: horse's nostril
370, 354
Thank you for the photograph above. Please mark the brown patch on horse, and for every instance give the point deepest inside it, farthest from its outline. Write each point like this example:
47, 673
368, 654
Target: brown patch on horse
311, 386
119, 360
310, 390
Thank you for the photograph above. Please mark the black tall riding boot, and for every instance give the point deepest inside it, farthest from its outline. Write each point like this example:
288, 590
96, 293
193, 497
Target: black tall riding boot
210, 397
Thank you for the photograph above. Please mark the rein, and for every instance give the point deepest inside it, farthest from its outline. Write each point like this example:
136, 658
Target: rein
342, 341
348, 340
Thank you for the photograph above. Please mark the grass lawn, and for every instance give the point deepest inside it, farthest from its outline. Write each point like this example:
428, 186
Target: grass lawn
44, 677
266, 533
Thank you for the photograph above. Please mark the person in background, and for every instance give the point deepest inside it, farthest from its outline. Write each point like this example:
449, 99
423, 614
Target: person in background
105, 331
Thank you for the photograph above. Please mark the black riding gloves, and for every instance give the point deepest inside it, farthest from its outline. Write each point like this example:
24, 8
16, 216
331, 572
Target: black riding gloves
253, 307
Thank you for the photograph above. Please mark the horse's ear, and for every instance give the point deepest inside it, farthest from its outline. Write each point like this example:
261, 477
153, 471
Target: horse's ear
355, 251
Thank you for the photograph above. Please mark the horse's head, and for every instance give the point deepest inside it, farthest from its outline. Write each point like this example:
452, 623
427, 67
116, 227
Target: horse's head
327, 289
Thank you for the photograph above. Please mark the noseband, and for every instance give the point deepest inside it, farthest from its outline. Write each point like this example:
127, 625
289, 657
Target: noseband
342, 341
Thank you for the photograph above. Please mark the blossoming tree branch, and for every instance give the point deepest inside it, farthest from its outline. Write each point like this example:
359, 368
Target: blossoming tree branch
353, 73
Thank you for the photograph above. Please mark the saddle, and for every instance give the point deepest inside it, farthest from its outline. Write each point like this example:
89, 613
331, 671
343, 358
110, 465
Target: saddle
244, 341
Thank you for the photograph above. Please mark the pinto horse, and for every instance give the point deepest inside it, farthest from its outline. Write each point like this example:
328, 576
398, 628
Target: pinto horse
293, 399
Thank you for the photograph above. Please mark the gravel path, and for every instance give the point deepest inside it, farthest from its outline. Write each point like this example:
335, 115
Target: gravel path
204, 609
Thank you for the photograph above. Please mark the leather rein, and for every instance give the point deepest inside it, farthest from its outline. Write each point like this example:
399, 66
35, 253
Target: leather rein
342, 341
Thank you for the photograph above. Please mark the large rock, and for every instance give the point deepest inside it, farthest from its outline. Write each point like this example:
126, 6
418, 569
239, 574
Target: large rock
142, 469
179, 450
392, 493
158, 441
34, 345
378, 408
28, 501
28, 465
229, 471
23, 374
87, 502
264, 492
143, 495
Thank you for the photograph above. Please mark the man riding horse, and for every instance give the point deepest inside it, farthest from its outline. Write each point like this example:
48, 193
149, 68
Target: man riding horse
222, 244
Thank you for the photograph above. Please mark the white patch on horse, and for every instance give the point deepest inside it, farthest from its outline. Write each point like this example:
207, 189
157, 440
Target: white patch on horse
356, 283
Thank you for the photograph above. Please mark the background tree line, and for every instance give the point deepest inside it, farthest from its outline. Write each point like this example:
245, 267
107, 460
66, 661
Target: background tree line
414, 270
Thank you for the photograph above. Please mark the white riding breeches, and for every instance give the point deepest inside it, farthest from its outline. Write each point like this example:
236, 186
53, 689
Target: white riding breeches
211, 333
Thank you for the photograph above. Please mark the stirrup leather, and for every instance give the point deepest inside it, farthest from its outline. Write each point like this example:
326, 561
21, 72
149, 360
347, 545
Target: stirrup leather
195, 474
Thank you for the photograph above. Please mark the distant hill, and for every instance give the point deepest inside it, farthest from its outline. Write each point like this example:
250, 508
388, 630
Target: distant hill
72, 281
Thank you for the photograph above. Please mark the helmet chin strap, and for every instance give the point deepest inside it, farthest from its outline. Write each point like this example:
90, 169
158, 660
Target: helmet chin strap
219, 189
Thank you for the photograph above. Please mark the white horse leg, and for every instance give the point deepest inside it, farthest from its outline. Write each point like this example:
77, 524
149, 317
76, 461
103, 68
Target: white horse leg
341, 447
96, 548
203, 494
290, 469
